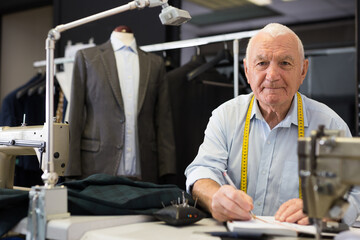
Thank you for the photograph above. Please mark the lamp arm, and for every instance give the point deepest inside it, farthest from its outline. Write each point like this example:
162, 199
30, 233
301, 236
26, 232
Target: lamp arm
79, 22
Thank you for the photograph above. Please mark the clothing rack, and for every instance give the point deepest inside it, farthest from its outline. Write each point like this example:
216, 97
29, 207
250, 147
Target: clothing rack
183, 44
57, 61
235, 37
198, 41
174, 45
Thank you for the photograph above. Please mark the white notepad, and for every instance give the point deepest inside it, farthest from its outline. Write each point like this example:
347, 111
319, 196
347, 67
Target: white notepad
266, 225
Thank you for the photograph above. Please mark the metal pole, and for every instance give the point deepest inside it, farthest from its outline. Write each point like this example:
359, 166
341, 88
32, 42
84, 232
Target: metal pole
236, 67
357, 62
49, 114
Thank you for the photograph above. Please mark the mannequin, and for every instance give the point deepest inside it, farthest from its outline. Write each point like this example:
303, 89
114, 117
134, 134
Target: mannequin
120, 97
124, 34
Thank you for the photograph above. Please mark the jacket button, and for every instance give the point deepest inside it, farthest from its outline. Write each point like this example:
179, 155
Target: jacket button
119, 147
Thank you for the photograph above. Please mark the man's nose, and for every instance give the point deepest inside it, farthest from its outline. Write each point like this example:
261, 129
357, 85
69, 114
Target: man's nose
272, 73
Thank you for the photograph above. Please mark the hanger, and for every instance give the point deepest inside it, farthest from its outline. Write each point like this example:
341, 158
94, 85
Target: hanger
35, 88
198, 55
41, 89
198, 51
223, 54
24, 90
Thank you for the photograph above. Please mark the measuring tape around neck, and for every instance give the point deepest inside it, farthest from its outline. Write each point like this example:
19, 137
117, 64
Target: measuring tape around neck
245, 148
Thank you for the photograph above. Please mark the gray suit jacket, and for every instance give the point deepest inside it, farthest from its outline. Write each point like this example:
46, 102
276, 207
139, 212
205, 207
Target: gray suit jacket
97, 119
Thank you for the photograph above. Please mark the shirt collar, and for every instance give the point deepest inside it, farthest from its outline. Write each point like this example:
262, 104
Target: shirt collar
118, 44
291, 117
256, 111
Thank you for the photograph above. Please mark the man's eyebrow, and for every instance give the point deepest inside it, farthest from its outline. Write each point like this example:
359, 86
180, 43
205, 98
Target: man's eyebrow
260, 57
288, 58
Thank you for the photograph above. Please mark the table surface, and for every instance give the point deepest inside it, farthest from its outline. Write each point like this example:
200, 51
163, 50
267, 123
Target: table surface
131, 227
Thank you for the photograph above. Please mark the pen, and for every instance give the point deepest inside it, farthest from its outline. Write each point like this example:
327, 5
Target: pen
228, 179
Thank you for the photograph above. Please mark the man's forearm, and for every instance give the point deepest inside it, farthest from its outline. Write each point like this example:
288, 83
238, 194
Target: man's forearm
203, 190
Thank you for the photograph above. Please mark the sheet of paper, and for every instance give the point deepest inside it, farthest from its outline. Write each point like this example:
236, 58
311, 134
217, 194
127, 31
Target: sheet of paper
268, 225
309, 229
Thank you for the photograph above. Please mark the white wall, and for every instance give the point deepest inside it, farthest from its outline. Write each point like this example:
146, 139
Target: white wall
23, 42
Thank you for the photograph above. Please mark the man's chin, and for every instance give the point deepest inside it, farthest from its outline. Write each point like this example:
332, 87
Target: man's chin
273, 100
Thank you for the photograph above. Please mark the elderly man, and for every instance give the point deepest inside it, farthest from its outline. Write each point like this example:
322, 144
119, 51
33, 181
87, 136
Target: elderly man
254, 137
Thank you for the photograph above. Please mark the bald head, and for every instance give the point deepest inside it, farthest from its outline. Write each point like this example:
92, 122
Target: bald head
275, 30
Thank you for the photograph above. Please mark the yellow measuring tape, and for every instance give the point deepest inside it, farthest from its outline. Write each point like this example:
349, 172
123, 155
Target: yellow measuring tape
245, 148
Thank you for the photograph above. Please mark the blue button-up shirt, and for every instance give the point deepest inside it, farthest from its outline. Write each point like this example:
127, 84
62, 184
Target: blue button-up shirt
272, 153
127, 63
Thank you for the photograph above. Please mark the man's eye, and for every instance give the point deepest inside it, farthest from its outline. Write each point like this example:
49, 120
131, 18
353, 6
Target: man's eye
261, 64
284, 63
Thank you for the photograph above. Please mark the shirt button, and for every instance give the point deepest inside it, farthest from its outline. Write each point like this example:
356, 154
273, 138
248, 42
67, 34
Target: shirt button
259, 204
263, 172
268, 142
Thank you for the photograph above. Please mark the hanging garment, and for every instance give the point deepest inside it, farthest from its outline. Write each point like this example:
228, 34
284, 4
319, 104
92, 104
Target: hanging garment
14, 106
65, 77
192, 103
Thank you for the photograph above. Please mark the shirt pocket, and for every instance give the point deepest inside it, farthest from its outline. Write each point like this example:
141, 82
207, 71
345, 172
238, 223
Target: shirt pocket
289, 186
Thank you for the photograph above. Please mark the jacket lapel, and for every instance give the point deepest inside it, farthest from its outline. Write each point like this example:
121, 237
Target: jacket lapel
144, 64
108, 59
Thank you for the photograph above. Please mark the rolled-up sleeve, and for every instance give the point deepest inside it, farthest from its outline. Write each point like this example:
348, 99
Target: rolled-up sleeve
212, 158
353, 211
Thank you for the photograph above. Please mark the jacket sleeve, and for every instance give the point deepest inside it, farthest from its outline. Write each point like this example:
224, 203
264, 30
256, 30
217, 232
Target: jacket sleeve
77, 115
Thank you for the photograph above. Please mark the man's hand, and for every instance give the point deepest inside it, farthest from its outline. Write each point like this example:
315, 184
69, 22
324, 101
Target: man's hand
229, 203
291, 211
224, 202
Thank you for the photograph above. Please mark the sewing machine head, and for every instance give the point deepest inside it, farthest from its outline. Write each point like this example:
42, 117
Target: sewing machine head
30, 140
328, 167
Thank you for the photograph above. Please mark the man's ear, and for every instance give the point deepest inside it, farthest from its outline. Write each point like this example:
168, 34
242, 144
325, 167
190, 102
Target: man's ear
246, 69
305, 67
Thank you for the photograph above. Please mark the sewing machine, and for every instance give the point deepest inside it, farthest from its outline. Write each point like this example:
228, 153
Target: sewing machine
329, 166
30, 140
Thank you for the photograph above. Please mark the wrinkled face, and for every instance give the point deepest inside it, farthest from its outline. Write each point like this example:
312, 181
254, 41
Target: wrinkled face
274, 69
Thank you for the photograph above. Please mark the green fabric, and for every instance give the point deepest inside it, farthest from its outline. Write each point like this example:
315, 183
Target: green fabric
98, 194
102, 194
13, 208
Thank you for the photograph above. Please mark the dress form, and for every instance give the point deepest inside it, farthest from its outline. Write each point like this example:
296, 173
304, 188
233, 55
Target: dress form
124, 34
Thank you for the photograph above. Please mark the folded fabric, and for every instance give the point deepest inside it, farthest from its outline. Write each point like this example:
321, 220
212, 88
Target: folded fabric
99, 194
13, 207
